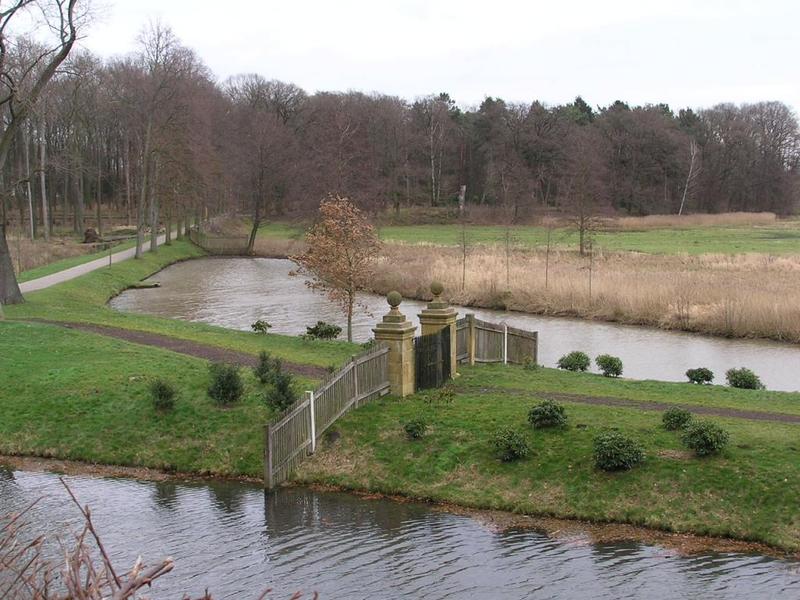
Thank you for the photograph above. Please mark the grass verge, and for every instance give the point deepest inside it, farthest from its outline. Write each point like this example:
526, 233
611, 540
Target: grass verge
748, 492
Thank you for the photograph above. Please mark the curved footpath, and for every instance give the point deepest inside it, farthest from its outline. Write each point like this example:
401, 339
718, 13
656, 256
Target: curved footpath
73, 272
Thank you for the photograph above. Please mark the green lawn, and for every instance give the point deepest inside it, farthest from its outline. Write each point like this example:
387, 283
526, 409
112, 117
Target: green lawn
748, 492
84, 300
698, 240
73, 261
80, 396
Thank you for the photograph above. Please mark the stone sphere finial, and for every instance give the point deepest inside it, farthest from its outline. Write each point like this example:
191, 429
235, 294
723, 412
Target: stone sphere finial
394, 299
437, 288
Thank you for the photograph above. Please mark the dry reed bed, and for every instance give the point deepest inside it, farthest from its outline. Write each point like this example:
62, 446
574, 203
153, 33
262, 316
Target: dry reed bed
27, 255
751, 295
734, 219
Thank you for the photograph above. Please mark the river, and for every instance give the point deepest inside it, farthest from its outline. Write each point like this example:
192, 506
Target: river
236, 540
235, 292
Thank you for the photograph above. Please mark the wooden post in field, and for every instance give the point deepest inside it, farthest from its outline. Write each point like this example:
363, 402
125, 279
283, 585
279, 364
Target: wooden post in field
269, 478
505, 344
356, 392
471, 338
310, 399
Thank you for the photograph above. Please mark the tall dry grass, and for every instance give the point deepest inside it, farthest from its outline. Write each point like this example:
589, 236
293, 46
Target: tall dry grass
737, 296
27, 254
734, 219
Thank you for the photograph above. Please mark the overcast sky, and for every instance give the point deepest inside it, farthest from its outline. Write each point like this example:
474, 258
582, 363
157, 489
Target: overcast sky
687, 53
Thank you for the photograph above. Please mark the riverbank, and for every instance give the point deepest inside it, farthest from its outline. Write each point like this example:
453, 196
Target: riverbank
747, 493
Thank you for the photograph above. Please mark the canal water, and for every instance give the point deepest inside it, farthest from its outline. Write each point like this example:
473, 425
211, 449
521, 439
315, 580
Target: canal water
235, 292
236, 540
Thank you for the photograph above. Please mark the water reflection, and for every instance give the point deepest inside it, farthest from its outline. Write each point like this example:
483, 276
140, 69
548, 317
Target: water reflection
235, 292
236, 541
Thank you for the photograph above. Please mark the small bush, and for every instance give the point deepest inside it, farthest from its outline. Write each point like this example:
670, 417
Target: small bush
616, 452
260, 326
676, 418
700, 375
226, 383
574, 361
744, 379
163, 394
324, 331
281, 394
369, 344
610, 366
267, 367
510, 445
443, 395
529, 364
705, 437
547, 414
415, 429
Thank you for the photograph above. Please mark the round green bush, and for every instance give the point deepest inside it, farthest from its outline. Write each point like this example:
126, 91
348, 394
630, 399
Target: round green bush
547, 414
226, 383
616, 452
510, 444
163, 394
323, 331
574, 361
676, 418
610, 366
700, 375
744, 379
415, 429
267, 367
705, 437
281, 394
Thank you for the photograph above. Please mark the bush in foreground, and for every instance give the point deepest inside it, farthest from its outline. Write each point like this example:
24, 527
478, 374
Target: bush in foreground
676, 418
267, 368
415, 429
610, 366
705, 438
226, 383
547, 414
281, 394
616, 452
510, 445
529, 364
700, 375
163, 394
744, 379
574, 361
261, 326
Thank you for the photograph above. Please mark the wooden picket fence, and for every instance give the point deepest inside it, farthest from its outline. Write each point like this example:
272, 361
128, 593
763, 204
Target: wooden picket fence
293, 434
218, 244
494, 342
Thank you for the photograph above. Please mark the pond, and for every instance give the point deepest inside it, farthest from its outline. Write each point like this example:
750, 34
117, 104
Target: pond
235, 292
236, 540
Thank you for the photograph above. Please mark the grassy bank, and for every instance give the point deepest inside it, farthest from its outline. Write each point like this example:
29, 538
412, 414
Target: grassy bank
84, 299
749, 492
72, 395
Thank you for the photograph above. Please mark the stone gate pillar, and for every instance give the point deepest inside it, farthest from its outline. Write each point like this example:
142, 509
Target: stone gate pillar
439, 315
398, 334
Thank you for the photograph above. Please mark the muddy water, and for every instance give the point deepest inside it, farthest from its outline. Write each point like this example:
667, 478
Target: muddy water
235, 292
237, 541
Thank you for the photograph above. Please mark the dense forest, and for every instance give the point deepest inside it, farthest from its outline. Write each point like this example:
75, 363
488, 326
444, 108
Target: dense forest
153, 137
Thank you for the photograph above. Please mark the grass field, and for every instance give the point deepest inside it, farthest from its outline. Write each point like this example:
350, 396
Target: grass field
749, 492
771, 239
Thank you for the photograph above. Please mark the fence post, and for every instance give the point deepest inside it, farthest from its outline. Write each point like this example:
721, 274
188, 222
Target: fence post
310, 398
471, 338
268, 475
355, 380
505, 344
536, 347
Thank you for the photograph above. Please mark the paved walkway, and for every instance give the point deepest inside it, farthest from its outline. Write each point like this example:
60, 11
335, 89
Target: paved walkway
72, 273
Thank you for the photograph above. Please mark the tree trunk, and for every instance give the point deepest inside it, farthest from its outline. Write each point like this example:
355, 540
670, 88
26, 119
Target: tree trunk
9, 289
28, 188
42, 163
140, 203
98, 195
154, 208
351, 300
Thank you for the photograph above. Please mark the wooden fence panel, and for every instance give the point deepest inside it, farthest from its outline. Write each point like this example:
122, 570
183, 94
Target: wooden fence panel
522, 345
488, 341
462, 339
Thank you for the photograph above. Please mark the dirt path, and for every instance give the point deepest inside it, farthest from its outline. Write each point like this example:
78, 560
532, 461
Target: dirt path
188, 347
750, 415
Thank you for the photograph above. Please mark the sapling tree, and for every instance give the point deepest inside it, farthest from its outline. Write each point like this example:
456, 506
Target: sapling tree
342, 247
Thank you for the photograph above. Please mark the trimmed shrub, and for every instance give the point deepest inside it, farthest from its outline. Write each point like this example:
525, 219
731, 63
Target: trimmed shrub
324, 331
226, 383
705, 437
700, 375
574, 361
529, 364
163, 394
281, 394
510, 445
415, 429
744, 379
260, 326
610, 366
676, 418
616, 452
267, 367
547, 414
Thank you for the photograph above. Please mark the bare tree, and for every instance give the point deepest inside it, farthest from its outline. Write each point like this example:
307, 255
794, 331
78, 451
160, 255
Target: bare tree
691, 176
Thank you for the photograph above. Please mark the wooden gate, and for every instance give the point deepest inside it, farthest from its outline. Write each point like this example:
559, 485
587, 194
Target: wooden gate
432, 359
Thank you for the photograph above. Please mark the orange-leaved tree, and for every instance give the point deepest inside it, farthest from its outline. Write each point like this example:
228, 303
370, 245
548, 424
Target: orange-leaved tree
342, 248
